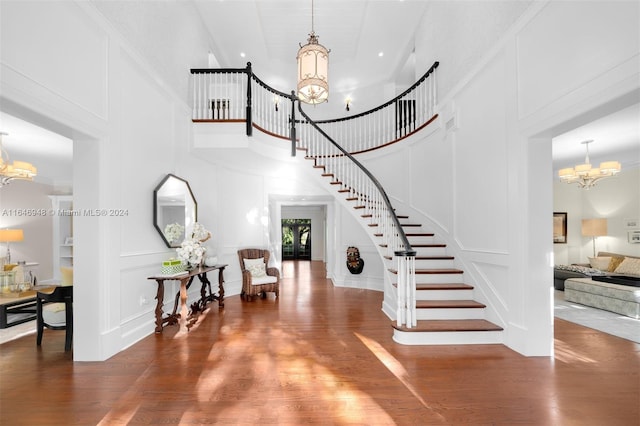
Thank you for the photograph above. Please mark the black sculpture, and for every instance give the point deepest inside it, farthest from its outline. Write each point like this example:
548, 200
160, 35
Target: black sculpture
354, 263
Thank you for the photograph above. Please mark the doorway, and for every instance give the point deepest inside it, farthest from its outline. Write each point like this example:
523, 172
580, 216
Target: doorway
296, 239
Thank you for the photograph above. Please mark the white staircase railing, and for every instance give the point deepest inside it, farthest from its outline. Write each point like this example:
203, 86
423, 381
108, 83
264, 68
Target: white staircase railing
359, 185
237, 95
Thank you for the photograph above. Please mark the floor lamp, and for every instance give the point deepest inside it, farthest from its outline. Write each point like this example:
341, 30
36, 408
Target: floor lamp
594, 228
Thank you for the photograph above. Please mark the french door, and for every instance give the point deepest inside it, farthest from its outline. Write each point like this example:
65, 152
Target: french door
296, 239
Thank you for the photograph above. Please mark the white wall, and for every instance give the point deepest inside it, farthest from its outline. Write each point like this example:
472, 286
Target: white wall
129, 130
486, 186
616, 199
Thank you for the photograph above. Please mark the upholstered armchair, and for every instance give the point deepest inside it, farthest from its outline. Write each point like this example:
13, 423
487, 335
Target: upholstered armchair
257, 277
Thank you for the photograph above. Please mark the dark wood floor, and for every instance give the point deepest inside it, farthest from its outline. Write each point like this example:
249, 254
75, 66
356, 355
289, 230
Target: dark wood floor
319, 355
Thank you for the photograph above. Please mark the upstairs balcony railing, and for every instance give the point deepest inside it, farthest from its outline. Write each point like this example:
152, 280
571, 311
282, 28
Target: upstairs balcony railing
237, 95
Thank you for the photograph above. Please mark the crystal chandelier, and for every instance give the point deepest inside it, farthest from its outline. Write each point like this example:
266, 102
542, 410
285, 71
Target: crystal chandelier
585, 175
313, 70
16, 170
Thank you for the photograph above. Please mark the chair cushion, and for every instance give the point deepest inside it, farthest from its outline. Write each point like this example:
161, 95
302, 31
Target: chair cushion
256, 267
54, 314
267, 279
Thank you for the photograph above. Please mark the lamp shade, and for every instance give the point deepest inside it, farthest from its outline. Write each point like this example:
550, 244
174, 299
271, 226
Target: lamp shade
313, 70
11, 235
594, 227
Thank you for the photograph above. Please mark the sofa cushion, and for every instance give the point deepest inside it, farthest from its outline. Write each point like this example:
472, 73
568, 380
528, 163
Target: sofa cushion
629, 266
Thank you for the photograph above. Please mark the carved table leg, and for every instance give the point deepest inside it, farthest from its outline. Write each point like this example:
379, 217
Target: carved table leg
204, 299
160, 298
184, 312
221, 288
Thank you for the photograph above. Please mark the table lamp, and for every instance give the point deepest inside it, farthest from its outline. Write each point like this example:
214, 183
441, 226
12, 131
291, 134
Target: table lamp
594, 228
10, 236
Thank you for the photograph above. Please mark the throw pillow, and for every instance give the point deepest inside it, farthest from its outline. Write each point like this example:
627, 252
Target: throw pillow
601, 263
629, 266
256, 267
615, 261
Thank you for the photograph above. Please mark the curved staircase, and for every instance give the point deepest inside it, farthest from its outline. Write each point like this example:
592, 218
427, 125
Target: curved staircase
446, 311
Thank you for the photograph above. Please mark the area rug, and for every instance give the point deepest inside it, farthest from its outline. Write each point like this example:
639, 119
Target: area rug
598, 319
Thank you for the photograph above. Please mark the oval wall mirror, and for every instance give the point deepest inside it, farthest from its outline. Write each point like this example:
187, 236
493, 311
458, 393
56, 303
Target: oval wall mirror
174, 209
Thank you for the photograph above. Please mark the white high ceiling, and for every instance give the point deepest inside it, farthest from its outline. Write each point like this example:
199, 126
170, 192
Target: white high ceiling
357, 32
370, 41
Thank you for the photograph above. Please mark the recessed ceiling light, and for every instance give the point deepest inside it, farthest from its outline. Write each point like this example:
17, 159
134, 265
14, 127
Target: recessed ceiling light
242, 54
381, 54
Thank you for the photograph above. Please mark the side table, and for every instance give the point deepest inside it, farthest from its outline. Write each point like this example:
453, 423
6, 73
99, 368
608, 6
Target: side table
185, 318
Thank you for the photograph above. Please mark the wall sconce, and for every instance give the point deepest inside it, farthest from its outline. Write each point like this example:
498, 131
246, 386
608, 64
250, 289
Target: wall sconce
276, 102
348, 104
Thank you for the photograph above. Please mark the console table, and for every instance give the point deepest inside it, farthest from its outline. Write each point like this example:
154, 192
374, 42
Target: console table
185, 318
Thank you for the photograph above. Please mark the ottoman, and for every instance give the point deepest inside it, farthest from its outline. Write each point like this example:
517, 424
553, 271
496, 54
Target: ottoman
621, 299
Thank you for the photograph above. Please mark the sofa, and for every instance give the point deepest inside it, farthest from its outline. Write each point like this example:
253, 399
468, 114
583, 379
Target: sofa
585, 270
621, 299
610, 282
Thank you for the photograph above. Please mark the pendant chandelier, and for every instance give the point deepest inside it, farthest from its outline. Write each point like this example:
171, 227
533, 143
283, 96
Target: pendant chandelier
585, 175
313, 69
16, 170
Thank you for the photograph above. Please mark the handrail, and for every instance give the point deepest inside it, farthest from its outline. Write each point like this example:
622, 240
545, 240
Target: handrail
408, 250
218, 97
388, 103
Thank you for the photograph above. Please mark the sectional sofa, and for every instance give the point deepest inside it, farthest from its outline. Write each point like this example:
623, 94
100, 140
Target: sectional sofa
615, 288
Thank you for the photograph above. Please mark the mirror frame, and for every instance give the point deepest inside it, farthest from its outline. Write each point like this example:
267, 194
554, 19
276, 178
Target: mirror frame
187, 193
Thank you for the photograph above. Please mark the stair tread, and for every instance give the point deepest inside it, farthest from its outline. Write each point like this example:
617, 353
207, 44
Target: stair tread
436, 304
450, 325
433, 271
444, 286
441, 286
419, 234
427, 257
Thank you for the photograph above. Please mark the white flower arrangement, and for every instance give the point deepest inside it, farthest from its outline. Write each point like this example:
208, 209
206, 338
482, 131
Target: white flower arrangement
200, 233
173, 231
191, 251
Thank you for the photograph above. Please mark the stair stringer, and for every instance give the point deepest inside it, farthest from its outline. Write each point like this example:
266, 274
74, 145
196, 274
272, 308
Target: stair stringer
484, 291
493, 335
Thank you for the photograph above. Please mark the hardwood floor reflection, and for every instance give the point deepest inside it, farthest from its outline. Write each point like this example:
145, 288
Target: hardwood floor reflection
319, 355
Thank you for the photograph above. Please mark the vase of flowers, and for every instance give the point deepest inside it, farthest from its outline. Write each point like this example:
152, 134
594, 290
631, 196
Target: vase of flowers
191, 252
173, 231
